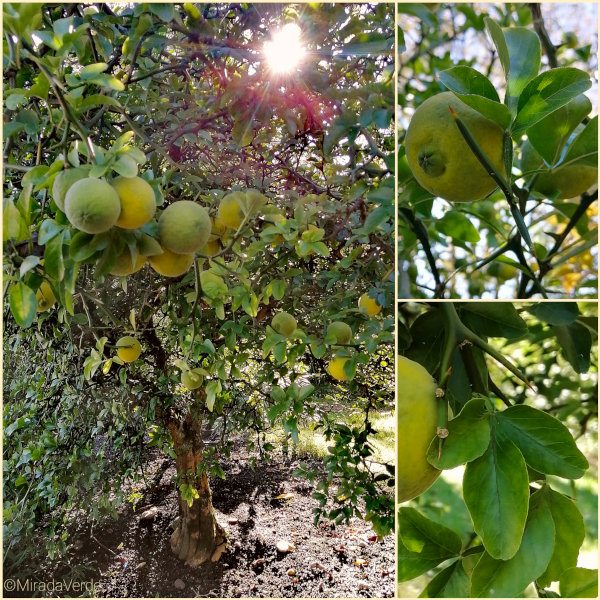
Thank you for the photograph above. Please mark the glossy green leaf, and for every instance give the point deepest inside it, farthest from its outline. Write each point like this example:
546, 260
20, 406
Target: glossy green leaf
495, 32
23, 304
451, 582
547, 93
550, 135
494, 111
496, 492
569, 533
468, 437
579, 583
524, 50
466, 80
546, 444
584, 148
456, 225
430, 543
53, 257
494, 578
555, 313
576, 344
493, 319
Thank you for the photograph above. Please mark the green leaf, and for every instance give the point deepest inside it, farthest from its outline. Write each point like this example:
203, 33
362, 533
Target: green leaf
546, 444
495, 32
13, 224
488, 108
525, 52
468, 437
125, 166
48, 229
456, 225
424, 534
451, 582
426, 537
213, 285
98, 100
576, 344
53, 257
555, 313
278, 288
550, 135
83, 245
465, 80
493, 320
569, 533
23, 304
494, 578
29, 262
584, 148
496, 492
547, 93
579, 583
212, 389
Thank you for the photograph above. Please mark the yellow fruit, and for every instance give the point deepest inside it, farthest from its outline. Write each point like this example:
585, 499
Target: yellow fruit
439, 156
128, 348
417, 418
45, 297
369, 305
184, 227
230, 211
192, 379
284, 324
124, 265
63, 181
502, 271
137, 201
569, 181
211, 247
171, 264
92, 205
336, 367
342, 332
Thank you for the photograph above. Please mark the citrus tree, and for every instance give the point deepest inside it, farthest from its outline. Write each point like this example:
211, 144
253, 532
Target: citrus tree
506, 396
498, 163
198, 241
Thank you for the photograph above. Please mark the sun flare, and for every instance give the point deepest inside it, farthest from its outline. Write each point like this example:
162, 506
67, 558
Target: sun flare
285, 50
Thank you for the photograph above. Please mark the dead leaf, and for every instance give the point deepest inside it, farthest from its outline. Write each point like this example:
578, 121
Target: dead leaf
287, 496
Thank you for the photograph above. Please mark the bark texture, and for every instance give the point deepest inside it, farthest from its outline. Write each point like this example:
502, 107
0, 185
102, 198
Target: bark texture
198, 536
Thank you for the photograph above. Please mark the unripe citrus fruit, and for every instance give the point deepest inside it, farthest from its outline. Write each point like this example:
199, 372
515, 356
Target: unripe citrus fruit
284, 324
137, 201
439, 156
336, 367
568, 181
230, 210
63, 181
171, 264
369, 305
92, 205
128, 348
45, 297
124, 264
417, 414
192, 379
341, 330
184, 227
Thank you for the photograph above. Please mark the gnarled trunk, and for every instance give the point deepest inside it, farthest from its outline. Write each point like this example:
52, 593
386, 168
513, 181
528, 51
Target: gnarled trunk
198, 536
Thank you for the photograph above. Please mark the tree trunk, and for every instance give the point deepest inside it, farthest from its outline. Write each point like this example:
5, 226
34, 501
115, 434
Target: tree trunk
198, 536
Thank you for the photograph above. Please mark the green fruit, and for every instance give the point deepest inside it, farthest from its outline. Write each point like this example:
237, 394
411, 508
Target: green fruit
184, 227
342, 332
63, 181
417, 417
439, 156
92, 205
124, 265
192, 379
284, 324
569, 181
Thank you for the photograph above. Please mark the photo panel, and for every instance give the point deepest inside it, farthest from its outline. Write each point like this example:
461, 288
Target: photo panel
498, 150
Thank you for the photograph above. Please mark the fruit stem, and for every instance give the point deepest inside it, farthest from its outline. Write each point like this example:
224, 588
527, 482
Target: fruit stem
463, 333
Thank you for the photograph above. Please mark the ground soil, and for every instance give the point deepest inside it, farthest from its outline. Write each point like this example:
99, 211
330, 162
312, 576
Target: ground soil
132, 558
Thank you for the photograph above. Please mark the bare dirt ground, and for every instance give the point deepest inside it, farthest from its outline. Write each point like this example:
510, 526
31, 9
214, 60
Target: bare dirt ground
131, 558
